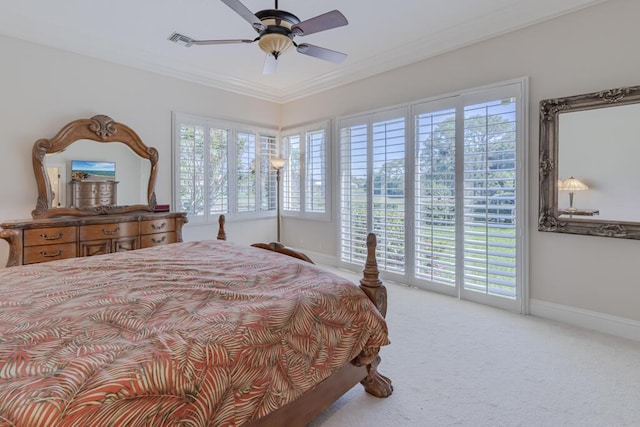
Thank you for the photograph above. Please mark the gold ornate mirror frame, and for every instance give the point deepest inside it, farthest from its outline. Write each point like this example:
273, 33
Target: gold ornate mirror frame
98, 128
548, 215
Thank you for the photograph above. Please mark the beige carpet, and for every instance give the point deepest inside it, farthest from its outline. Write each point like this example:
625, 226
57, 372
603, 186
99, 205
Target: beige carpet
456, 363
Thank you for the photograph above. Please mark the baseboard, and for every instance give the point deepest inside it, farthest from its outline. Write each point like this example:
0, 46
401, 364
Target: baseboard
322, 259
600, 322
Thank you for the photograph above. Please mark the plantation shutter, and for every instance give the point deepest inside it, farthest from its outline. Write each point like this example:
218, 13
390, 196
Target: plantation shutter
490, 197
372, 184
192, 168
246, 171
315, 171
458, 193
202, 155
268, 193
218, 167
353, 192
388, 153
435, 195
292, 174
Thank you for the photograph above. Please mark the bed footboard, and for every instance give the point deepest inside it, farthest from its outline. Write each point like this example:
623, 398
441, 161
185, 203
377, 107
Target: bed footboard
363, 369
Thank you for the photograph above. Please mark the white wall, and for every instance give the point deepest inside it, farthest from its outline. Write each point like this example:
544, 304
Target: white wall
587, 51
42, 89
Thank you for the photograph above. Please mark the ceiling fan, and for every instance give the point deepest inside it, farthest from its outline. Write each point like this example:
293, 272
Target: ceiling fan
276, 32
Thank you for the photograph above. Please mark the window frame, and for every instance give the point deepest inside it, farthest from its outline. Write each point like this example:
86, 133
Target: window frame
302, 132
233, 128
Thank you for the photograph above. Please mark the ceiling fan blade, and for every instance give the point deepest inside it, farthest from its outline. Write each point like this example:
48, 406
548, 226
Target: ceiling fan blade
230, 41
243, 11
322, 53
323, 22
270, 64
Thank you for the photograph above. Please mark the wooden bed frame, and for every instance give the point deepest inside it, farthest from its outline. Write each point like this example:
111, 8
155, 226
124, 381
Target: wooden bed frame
363, 369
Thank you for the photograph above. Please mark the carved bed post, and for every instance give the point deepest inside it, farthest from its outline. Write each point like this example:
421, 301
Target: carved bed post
222, 235
375, 383
371, 283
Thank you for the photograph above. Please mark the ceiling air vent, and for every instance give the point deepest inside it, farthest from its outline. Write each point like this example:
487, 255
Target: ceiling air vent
179, 38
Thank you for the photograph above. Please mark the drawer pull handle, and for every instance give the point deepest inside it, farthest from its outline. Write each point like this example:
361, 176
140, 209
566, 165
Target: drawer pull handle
159, 227
110, 232
159, 240
56, 237
51, 255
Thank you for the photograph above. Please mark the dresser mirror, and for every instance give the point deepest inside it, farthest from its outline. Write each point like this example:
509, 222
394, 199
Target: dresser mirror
589, 150
104, 154
125, 167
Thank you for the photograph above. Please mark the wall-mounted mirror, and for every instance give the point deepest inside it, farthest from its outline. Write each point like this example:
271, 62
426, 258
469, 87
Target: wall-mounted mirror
589, 149
92, 167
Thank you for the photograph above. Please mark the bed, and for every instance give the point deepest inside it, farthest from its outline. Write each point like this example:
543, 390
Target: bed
205, 333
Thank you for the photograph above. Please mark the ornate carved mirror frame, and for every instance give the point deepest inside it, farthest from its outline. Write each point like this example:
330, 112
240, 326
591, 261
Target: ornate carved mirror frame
548, 217
98, 128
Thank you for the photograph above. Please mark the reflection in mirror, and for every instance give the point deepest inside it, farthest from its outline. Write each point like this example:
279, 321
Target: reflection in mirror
99, 138
131, 171
589, 176
601, 148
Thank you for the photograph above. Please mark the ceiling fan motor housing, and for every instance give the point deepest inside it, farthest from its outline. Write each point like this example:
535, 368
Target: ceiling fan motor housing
276, 17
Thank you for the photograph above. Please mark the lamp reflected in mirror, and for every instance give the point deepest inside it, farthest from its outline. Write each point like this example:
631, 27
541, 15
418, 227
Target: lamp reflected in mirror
572, 185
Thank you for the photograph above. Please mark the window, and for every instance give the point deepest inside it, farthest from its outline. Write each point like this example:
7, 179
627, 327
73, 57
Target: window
207, 153
443, 195
373, 188
435, 197
305, 180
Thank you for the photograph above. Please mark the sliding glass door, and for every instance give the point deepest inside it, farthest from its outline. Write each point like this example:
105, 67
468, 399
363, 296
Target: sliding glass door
443, 194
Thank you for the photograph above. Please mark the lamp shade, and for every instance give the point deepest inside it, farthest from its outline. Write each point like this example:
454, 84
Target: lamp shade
572, 184
277, 162
275, 43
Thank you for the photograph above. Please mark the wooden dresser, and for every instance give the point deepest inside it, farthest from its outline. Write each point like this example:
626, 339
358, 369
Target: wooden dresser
41, 240
93, 193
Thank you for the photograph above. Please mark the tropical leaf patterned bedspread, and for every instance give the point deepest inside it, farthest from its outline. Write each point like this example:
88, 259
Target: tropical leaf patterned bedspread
188, 334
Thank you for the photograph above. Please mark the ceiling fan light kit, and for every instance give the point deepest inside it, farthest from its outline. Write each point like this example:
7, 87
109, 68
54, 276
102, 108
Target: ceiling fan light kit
275, 44
276, 32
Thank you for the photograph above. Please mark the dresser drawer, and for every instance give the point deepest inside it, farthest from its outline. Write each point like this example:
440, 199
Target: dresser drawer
158, 226
89, 194
47, 236
149, 240
87, 186
45, 253
89, 203
111, 231
92, 194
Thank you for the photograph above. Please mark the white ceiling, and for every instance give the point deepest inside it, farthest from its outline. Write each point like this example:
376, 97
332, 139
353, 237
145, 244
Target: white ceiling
381, 35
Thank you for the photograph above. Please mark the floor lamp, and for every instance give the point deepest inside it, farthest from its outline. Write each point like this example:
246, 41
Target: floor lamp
277, 163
